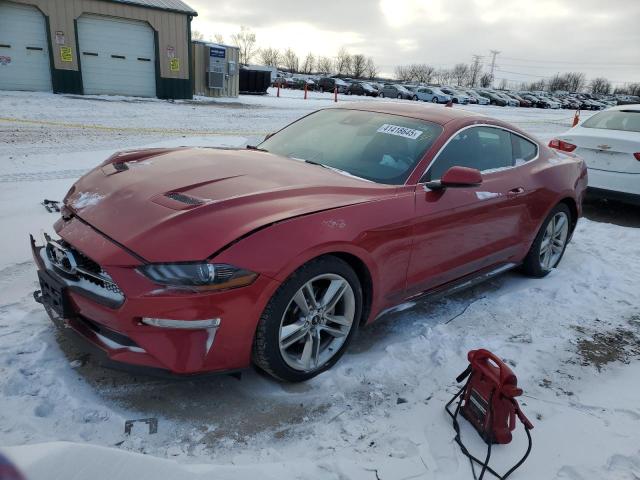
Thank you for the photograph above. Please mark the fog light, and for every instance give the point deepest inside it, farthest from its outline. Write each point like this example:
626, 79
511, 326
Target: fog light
183, 324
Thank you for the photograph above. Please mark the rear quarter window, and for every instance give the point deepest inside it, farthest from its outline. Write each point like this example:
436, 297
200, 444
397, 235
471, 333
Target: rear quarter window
523, 150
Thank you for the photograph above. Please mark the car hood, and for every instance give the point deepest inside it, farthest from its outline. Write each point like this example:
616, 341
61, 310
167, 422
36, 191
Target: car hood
186, 204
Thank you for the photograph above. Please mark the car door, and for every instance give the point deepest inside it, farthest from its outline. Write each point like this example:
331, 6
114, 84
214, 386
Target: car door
459, 231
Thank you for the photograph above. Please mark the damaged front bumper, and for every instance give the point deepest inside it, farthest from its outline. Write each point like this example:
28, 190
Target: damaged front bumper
130, 321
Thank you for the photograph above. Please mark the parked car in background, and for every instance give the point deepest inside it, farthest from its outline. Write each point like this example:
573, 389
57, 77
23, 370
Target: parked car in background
480, 100
362, 88
609, 142
456, 96
493, 98
210, 260
432, 94
391, 90
328, 84
521, 101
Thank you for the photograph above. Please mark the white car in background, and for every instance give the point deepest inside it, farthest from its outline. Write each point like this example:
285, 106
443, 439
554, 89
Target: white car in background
609, 142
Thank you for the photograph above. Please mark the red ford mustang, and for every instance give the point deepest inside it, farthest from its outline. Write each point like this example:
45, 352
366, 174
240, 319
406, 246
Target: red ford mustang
207, 260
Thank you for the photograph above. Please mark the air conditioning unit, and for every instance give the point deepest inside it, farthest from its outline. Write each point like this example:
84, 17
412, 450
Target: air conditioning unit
216, 80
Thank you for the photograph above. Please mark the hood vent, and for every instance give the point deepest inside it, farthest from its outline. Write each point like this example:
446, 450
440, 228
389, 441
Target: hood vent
182, 198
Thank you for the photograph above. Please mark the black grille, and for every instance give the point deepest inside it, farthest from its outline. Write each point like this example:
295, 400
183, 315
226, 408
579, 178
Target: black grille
182, 198
85, 264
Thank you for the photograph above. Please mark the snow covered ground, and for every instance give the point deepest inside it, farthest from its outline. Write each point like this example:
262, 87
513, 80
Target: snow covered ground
573, 339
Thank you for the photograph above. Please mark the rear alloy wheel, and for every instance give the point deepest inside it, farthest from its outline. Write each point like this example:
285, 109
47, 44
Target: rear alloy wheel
310, 320
381, 95
434, 100
415, 98
550, 243
399, 96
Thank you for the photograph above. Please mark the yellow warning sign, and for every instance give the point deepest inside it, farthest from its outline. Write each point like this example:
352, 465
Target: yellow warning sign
65, 54
174, 64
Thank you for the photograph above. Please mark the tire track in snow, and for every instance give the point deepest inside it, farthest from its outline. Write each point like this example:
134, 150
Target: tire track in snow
42, 176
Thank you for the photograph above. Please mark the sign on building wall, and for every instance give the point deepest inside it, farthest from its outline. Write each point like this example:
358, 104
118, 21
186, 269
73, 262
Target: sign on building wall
60, 38
217, 52
171, 51
4, 60
65, 54
174, 64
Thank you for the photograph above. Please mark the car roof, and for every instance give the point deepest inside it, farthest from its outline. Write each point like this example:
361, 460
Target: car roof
634, 107
420, 111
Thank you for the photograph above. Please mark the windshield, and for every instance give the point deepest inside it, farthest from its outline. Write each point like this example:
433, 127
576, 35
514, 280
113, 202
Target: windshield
401, 88
626, 120
375, 146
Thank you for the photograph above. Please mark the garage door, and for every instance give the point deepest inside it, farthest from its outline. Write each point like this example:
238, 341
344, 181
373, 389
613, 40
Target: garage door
24, 52
117, 57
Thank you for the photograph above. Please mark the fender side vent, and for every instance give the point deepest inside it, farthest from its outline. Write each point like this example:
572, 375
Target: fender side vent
182, 198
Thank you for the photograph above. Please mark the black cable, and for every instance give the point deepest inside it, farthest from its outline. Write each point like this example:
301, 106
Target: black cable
463, 448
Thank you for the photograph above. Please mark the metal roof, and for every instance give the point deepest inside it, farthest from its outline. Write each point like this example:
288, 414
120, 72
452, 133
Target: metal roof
170, 5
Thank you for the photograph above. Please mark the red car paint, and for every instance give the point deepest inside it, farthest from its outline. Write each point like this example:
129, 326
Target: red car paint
270, 215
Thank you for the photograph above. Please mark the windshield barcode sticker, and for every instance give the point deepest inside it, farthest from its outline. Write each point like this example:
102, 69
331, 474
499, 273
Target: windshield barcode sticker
400, 131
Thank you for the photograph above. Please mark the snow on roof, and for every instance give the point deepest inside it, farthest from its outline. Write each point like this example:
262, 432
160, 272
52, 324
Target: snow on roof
171, 5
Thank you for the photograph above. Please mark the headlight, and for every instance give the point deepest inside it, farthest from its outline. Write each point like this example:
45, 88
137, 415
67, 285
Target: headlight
198, 276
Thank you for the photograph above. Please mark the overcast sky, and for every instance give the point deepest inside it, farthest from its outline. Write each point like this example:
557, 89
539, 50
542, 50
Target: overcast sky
537, 38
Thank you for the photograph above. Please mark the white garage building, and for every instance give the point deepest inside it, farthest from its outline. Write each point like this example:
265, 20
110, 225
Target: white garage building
112, 47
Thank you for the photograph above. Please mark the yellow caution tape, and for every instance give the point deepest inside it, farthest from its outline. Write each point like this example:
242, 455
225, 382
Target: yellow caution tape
131, 129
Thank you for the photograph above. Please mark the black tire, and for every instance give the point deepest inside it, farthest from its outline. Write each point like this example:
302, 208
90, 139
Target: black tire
381, 95
434, 100
266, 346
531, 265
415, 98
455, 100
399, 96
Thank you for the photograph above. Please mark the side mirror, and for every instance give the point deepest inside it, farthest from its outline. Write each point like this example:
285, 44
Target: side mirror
457, 177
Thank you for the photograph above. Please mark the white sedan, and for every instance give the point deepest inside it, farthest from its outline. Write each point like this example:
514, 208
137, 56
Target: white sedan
609, 142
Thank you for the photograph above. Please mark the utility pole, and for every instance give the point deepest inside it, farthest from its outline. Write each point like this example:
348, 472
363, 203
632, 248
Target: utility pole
475, 69
495, 53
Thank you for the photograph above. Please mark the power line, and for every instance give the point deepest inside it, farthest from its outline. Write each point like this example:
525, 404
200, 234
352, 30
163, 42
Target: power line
493, 60
572, 62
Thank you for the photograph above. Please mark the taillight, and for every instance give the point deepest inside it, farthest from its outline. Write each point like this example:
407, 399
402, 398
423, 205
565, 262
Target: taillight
562, 146
637, 155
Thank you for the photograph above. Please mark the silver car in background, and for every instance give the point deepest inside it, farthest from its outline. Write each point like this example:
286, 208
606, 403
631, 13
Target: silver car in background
431, 94
456, 96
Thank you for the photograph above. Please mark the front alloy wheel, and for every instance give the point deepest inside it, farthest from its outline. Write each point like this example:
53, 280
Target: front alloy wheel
317, 322
310, 320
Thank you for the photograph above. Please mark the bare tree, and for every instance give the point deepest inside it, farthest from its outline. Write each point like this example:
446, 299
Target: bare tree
218, 38
372, 69
628, 89
474, 71
290, 60
197, 35
486, 80
576, 81
403, 73
442, 76
358, 65
343, 62
504, 84
460, 73
600, 85
309, 63
269, 57
421, 72
325, 65
246, 41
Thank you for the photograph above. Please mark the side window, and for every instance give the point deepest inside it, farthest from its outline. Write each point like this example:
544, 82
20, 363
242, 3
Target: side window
483, 148
523, 149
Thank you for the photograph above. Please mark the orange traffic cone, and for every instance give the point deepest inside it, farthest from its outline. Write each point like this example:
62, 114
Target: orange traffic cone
335, 94
305, 91
278, 94
449, 104
576, 118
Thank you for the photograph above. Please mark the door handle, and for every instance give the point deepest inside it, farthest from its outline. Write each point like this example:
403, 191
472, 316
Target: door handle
515, 192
